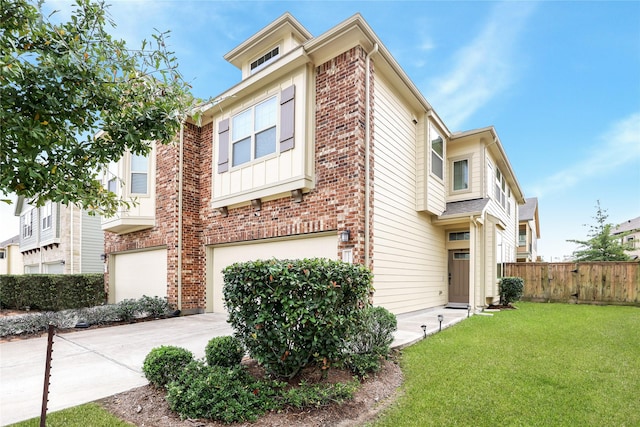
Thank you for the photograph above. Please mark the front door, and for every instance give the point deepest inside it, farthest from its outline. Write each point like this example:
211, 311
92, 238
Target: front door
459, 276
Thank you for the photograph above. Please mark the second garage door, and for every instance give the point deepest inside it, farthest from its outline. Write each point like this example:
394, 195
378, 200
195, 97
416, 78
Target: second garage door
135, 274
322, 246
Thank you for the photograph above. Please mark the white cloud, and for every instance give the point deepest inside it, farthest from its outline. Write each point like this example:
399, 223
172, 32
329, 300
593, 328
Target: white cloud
617, 146
484, 68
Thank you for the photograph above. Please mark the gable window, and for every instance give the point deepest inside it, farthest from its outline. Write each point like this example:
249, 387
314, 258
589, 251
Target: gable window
460, 235
139, 172
46, 216
265, 59
27, 225
461, 175
437, 154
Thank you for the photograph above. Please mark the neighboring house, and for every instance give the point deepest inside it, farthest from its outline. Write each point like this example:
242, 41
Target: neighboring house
325, 148
10, 257
529, 231
57, 239
632, 227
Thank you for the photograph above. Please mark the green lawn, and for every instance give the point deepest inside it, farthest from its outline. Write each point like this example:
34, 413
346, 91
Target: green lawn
540, 365
87, 415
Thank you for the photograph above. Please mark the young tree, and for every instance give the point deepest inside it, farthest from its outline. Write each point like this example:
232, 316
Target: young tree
602, 245
61, 83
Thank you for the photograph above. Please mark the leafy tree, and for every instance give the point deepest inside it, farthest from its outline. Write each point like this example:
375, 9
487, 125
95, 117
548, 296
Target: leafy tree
62, 83
602, 245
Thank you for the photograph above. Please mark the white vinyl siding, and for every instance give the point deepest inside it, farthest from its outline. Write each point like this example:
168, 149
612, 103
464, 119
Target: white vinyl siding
409, 252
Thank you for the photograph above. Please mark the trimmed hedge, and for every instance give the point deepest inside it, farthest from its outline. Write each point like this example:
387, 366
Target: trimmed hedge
291, 313
52, 292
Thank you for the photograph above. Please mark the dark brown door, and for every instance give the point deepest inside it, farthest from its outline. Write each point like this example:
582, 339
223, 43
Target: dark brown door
459, 276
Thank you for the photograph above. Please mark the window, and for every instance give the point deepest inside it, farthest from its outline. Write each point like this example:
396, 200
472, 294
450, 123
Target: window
27, 225
460, 235
501, 188
112, 185
437, 154
46, 216
253, 132
139, 171
461, 255
2, 254
522, 237
461, 175
265, 59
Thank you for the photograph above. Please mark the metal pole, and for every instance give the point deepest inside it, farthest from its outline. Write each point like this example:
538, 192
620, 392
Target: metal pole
47, 376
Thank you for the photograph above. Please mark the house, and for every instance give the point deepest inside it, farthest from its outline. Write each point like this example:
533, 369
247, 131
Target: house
529, 231
630, 235
324, 148
59, 239
10, 257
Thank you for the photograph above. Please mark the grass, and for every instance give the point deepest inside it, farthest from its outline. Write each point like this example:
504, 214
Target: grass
540, 365
90, 414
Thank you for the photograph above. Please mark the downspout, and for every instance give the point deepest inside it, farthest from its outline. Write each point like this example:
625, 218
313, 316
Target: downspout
71, 243
180, 168
367, 156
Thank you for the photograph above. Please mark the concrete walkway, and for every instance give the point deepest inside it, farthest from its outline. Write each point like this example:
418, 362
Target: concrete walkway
92, 364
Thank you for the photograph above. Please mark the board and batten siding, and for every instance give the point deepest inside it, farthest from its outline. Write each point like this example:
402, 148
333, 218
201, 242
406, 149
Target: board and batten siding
409, 255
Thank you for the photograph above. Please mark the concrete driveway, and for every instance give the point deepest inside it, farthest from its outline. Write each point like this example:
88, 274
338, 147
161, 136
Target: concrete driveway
92, 364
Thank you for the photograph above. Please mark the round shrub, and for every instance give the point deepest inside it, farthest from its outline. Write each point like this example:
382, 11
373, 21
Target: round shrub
218, 393
224, 351
163, 364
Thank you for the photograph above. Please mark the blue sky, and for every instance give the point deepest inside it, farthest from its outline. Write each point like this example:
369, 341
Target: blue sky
560, 81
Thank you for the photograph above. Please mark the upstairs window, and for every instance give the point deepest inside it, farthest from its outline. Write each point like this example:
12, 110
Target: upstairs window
46, 216
253, 132
437, 154
501, 189
265, 59
27, 225
461, 175
139, 174
522, 237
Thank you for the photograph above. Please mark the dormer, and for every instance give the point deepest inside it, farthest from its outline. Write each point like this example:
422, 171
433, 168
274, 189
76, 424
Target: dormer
268, 45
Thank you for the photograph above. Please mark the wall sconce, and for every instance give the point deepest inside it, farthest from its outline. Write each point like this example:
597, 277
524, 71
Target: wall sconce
468, 310
103, 257
440, 319
424, 330
257, 204
62, 262
296, 195
345, 235
224, 211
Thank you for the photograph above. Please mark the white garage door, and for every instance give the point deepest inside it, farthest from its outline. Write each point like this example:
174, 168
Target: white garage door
324, 246
138, 273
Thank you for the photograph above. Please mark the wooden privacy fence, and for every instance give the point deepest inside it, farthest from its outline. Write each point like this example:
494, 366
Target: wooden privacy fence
587, 282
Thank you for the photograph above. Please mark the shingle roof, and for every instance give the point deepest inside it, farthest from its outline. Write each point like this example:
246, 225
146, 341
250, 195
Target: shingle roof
465, 207
630, 225
527, 211
13, 240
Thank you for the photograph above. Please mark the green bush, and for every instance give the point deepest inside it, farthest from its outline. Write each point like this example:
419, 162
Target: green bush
511, 289
163, 364
224, 351
52, 292
154, 306
219, 393
370, 340
318, 395
128, 309
291, 313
